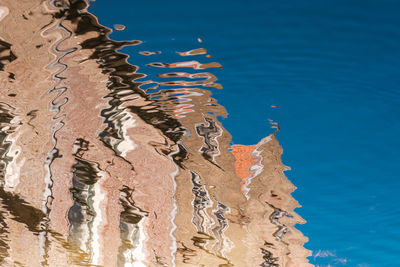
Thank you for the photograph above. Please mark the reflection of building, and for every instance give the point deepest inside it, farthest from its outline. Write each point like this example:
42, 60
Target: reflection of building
95, 172
269, 198
246, 221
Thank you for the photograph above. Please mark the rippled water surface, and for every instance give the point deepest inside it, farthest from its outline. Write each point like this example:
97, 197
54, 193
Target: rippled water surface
328, 72
145, 133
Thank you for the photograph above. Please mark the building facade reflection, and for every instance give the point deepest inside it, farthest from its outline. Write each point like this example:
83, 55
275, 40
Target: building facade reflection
97, 171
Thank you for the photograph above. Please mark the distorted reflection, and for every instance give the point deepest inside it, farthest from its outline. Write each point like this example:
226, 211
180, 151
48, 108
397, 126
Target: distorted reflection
193, 52
101, 166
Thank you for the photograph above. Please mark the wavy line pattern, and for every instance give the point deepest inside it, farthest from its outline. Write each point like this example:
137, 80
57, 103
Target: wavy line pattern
101, 165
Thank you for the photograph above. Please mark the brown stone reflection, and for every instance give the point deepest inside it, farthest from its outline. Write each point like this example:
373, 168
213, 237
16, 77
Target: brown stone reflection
95, 171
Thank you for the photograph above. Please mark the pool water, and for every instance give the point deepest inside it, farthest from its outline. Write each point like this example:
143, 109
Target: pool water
209, 133
328, 72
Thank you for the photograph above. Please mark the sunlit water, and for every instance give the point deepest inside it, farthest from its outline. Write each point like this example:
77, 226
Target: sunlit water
157, 147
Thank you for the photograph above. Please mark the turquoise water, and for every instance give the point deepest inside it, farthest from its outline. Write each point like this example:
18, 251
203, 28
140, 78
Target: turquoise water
331, 68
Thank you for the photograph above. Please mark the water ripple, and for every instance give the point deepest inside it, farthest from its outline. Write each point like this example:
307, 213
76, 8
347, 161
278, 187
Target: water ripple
102, 165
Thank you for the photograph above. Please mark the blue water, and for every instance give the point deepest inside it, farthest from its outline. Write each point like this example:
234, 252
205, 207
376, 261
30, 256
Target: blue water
332, 69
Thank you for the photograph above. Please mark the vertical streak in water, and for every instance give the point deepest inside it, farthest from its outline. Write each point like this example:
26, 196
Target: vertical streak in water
131, 231
55, 106
98, 223
224, 244
86, 215
9, 171
257, 166
201, 203
203, 221
6, 128
174, 210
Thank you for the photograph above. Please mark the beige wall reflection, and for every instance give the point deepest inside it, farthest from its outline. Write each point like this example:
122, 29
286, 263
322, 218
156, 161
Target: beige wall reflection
95, 171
